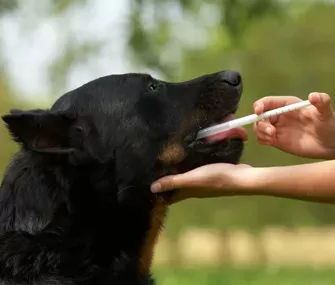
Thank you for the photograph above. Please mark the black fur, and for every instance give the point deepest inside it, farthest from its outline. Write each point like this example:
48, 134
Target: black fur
75, 202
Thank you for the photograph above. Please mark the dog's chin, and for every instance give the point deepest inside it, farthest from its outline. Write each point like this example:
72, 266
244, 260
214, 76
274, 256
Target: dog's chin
202, 154
222, 147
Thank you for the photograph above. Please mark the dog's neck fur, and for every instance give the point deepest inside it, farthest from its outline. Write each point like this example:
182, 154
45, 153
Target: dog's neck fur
83, 215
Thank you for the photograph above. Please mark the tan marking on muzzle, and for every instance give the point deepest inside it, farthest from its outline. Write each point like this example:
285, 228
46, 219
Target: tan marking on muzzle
172, 153
157, 219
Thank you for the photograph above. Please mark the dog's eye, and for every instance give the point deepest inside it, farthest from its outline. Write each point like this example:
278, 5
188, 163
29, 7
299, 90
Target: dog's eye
152, 87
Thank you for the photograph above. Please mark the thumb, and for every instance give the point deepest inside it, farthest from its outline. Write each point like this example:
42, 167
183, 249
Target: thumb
168, 183
322, 103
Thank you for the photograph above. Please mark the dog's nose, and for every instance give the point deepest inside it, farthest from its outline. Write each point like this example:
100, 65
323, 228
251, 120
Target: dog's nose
232, 78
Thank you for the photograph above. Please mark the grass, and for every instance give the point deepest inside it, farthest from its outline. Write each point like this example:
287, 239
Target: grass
226, 276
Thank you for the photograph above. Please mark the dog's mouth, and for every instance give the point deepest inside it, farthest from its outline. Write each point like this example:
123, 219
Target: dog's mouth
235, 133
238, 133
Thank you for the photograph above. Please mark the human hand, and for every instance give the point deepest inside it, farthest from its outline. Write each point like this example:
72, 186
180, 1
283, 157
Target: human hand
207, 181
308, 132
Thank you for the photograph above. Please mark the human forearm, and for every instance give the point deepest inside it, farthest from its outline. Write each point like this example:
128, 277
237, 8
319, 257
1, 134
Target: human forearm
312, 182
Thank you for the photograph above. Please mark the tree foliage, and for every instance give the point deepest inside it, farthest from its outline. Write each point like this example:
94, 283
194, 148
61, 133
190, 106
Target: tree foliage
148, 41
7, 148
7, 6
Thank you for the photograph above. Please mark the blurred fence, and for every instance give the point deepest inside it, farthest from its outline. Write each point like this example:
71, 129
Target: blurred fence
274, 246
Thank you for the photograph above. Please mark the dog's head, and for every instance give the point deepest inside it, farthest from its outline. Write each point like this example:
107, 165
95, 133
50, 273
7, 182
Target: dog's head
146, 127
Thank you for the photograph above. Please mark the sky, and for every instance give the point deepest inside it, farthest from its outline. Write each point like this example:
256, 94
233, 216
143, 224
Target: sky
29, 43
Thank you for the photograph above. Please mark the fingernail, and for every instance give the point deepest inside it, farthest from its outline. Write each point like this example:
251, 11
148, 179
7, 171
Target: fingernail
268, 130
156, 187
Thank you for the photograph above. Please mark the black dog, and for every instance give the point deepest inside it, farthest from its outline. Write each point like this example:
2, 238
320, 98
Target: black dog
75, 202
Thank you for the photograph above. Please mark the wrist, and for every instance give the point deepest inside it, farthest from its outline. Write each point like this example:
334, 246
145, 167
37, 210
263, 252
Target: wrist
331, 153
330, 150
253, 182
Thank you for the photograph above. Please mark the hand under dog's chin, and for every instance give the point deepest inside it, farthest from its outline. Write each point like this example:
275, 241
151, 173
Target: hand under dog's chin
229, 151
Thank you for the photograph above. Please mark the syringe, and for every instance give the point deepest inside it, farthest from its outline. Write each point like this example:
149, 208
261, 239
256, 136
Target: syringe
249, 119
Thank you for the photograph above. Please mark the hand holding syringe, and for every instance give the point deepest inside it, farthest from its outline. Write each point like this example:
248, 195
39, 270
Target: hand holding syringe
250, 119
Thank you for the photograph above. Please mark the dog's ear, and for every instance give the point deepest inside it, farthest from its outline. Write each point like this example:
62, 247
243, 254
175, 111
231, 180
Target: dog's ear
41, 130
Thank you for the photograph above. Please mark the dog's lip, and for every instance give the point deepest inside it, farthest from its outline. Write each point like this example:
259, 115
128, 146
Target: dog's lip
191, 136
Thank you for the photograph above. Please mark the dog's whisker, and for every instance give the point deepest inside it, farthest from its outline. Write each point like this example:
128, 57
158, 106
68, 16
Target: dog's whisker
124, 189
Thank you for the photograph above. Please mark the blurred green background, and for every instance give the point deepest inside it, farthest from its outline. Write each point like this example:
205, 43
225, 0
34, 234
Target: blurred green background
280, 48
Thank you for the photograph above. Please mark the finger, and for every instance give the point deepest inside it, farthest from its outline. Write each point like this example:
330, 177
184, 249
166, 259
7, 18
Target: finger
264, 128
272, 102
258, 107
323, 104
265, 141
265, 138
169, 183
